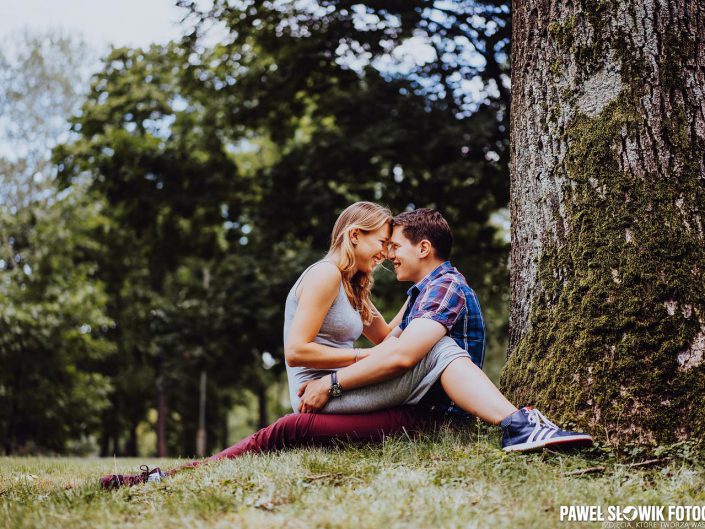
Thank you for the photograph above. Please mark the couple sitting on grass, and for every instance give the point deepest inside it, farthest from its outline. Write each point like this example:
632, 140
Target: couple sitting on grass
425, 366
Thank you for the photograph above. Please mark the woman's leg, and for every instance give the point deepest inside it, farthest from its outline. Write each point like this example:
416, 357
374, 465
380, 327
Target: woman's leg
300, 429
470, 389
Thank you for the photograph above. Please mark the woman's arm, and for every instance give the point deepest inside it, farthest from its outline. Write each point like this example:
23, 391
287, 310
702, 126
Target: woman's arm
378, 329
396, 320
317, 294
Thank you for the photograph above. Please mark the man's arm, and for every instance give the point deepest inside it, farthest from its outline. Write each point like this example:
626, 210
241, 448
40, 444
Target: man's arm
392, 357
398, 356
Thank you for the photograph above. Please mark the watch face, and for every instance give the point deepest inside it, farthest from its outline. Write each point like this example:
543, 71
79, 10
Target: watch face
335, 390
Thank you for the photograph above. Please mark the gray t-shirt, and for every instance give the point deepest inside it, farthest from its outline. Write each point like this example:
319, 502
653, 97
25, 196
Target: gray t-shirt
340, 328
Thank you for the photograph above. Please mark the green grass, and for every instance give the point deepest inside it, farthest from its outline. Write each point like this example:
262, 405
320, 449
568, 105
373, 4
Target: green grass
449, 479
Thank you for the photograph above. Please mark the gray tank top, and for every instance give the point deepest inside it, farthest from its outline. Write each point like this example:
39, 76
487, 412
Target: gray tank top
340, 328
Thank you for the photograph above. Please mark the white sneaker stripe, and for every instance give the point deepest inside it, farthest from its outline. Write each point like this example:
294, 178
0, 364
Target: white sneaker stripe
544, 432
551, 433
534, 434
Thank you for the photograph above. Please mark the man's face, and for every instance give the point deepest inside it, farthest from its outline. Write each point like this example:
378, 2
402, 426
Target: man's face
404, 255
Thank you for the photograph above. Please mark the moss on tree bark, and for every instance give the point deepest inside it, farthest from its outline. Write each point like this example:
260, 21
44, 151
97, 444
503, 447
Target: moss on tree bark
608, 187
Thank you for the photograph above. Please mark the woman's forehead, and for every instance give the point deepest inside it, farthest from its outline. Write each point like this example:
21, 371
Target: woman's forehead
382, 231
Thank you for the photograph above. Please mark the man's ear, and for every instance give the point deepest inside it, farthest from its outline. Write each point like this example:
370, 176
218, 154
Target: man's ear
354, 235
425, 249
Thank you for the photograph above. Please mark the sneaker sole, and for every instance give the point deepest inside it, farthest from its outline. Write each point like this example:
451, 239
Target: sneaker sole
561, 441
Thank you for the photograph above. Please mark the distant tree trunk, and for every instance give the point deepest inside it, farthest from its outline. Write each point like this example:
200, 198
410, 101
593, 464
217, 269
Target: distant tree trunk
115, 438
107, 429
131, 448
161, 418
607, 317
104, 441
224, 426
10, 434
262, 402
201, 432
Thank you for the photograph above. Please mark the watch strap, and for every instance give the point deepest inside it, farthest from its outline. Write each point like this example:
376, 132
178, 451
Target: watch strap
335, 389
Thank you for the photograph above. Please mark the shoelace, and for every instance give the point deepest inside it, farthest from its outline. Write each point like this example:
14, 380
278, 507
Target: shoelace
543, 425
146, 471
154, 474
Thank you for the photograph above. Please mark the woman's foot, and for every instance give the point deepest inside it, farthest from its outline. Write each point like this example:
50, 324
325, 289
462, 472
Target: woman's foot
114, 481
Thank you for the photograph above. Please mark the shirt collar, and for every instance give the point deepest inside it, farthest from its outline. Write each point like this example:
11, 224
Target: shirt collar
436, 272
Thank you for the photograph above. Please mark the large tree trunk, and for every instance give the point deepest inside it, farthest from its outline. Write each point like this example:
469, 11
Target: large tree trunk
607, 312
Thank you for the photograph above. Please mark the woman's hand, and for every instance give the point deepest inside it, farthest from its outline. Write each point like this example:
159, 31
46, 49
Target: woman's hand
314, 394
378, 330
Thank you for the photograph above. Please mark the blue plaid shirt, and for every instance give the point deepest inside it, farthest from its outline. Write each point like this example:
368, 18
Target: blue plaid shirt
444, 296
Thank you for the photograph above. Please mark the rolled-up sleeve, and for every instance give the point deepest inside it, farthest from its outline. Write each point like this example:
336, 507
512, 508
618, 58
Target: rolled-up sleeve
443, 302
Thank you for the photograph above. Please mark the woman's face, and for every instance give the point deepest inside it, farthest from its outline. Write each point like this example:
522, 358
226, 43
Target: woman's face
370, 247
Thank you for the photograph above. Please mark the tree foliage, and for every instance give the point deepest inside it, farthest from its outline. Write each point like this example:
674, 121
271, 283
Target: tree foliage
52, 318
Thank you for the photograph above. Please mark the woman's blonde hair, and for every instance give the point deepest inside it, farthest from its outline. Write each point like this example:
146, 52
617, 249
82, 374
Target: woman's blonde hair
367, 217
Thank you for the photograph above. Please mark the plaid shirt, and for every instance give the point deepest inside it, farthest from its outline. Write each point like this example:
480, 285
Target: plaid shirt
444, 296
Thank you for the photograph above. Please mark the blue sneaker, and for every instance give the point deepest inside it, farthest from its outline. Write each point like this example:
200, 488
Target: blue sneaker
528, 429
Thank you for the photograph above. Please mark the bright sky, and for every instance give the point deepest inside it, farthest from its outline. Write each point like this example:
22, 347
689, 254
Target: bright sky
101, 22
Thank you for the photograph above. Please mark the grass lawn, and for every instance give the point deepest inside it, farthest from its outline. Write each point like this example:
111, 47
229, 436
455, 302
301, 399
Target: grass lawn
449, 479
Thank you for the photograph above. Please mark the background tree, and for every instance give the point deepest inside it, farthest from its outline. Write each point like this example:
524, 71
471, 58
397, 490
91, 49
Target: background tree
608, 294
52, 305
155, 154
52, 328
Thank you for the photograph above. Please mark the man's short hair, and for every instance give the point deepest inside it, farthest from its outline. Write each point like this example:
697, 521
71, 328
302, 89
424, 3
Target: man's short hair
429, 224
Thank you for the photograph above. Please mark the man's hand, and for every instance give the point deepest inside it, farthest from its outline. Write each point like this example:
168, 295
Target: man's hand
314, 395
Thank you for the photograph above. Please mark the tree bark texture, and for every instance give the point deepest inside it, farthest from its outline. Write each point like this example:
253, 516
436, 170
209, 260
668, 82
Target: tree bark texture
607, 316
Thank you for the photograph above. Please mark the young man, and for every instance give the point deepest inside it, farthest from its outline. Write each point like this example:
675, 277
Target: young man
440, 303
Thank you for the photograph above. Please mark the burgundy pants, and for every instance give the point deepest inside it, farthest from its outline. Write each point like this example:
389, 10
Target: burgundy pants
301, 429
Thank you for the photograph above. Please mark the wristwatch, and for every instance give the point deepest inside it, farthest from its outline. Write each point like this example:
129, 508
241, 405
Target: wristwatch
336, 390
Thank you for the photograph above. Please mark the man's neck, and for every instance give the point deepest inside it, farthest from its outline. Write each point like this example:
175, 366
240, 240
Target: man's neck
426, 268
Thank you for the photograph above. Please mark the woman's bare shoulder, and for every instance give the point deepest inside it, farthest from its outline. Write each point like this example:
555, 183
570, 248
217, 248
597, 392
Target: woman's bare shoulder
323, 278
